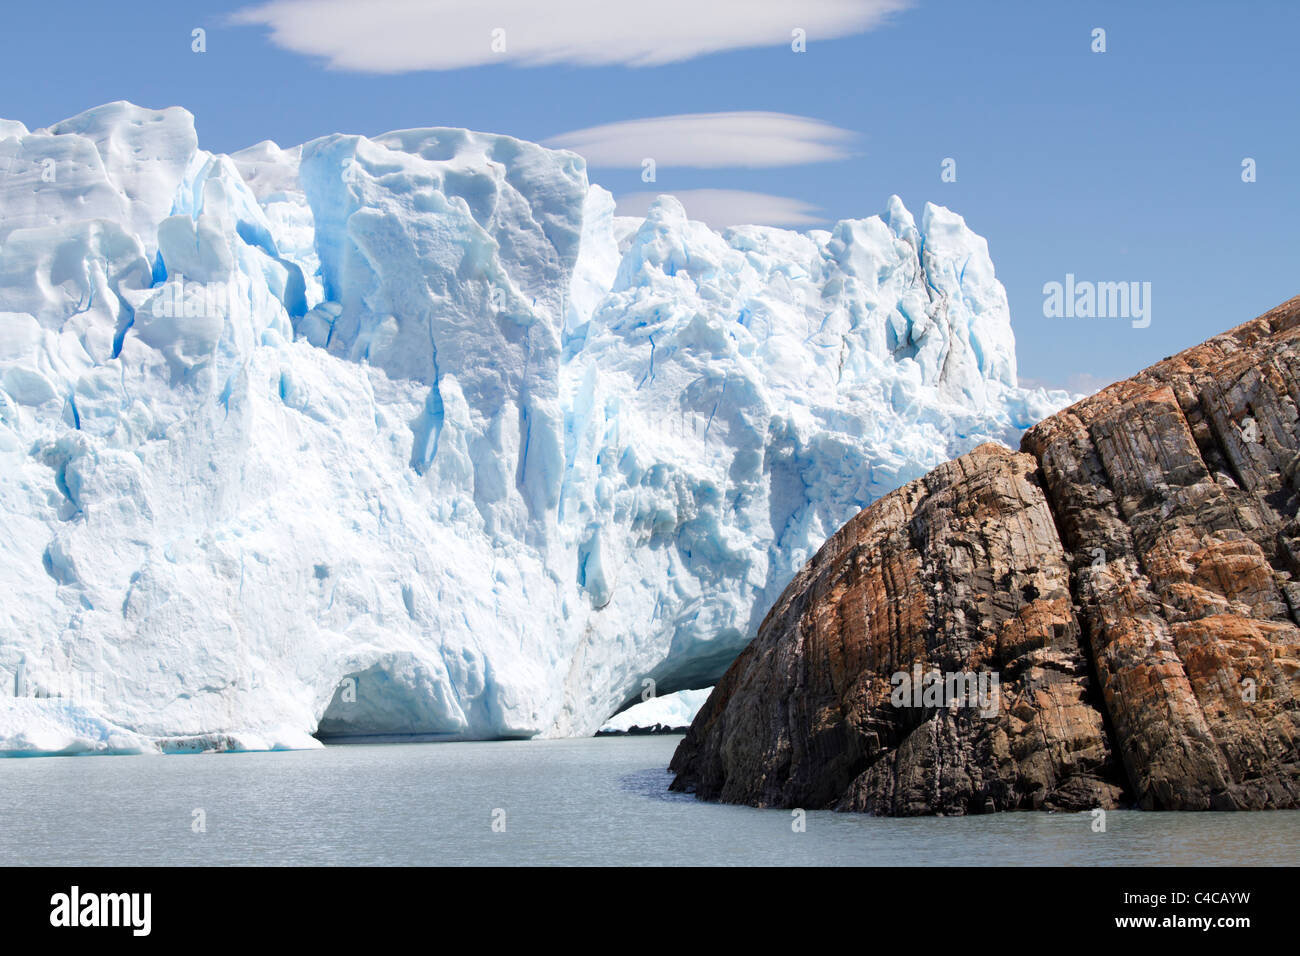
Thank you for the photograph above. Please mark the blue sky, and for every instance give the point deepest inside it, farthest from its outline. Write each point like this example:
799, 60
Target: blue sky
1115, 166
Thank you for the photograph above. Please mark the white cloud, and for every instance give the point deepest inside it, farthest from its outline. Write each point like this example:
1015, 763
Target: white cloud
709, 141
1077, 384
729, 207
395, 36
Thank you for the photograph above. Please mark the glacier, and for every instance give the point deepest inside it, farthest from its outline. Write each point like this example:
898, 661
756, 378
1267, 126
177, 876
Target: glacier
413, 434
674, 711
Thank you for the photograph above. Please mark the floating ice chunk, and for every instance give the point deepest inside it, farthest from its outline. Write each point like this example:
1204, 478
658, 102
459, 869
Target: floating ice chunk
671, 711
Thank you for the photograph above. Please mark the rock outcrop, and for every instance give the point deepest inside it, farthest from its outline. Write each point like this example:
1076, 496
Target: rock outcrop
1128, 586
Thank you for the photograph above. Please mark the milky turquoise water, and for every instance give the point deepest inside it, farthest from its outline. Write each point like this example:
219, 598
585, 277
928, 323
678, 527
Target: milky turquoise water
594, 801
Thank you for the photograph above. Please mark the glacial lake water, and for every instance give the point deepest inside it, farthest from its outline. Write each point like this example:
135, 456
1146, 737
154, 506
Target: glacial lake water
595, 801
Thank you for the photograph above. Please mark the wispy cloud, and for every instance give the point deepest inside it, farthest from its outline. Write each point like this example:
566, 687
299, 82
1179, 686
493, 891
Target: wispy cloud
709, 141
1078, 383
729, 207
396, 36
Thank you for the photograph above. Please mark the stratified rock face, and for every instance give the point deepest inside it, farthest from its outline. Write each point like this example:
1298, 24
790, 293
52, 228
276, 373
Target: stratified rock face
1146, 535
962, 573
1176, 492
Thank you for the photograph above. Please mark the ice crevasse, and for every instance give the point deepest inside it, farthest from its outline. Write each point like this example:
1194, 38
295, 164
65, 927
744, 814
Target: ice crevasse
414, 435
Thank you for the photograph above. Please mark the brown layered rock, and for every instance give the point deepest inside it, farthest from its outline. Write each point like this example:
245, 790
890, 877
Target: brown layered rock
1130, 579
1176, 493
960, 573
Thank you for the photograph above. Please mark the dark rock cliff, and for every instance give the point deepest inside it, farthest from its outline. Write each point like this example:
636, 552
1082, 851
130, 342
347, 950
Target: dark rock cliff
1108, 616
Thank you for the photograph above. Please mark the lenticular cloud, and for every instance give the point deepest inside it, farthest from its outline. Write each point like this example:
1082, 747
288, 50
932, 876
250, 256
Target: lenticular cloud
710, 140
395, 36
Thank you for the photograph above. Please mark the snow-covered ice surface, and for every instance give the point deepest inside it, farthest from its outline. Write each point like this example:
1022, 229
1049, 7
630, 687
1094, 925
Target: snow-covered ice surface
673, 711
30, 727
413, 435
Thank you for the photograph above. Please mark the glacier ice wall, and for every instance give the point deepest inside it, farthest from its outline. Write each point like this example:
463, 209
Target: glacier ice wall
413, 435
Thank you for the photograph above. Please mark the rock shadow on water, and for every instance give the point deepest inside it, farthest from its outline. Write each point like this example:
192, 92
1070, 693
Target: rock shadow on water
652, 784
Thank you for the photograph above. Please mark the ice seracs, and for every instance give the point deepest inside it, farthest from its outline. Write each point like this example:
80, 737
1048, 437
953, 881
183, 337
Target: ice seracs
413, 435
